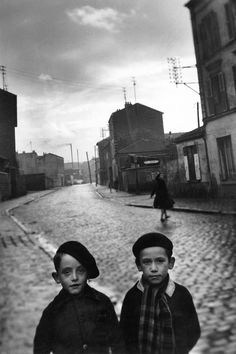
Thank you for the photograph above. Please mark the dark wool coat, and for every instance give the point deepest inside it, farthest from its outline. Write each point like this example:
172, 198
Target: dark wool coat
73, 324
185, 321
162, 199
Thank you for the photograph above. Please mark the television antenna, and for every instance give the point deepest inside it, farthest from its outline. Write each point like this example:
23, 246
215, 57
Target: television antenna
4, 72
175, 73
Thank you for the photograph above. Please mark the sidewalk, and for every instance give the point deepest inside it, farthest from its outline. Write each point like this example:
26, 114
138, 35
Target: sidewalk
225, 206
25, 199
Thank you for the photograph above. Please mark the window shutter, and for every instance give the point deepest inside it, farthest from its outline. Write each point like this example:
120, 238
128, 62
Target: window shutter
221, 82
234, 76
197, 166
215, 32
223, 95
210, 98
186, 168
230, 20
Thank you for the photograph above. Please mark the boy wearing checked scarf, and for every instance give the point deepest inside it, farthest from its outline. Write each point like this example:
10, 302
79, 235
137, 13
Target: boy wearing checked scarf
158, 315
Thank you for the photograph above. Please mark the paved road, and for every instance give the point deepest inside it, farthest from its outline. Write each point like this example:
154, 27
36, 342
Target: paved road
204, 250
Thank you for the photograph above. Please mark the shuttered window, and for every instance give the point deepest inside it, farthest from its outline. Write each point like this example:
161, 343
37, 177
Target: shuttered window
216, 94
234, 76
230, 19
209, 35
191, 163
227, 166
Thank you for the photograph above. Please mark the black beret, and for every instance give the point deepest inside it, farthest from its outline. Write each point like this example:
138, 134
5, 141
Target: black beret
81, 253
152, 239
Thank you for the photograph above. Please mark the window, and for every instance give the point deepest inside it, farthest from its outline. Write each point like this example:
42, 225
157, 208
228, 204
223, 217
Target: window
191, 163
227, 169
216, 94
231, 19
209, 35
234, 76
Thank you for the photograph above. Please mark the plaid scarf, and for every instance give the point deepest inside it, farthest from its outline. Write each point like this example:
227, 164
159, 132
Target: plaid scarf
156, 335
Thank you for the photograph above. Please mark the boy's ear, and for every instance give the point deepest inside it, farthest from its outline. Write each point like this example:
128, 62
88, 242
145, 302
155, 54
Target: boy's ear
172, 263
138, 264
55, 277
139, 267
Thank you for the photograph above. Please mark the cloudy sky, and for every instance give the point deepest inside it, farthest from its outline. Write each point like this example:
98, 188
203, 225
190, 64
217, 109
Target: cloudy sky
68, 62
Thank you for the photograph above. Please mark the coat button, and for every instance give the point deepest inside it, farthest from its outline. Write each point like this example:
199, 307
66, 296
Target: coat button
85, 347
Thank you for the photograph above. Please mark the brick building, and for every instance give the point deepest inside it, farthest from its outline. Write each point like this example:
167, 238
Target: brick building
214, 34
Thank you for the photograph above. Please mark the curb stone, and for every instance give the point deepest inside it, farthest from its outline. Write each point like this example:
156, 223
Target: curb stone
182, 209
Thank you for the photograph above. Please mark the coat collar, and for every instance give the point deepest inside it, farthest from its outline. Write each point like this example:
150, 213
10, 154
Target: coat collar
88, 292
169, 289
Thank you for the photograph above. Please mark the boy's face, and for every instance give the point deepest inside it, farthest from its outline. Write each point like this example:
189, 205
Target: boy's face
154, 264
71, 275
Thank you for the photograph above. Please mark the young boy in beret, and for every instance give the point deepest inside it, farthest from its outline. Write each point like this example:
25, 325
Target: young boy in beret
158, 315
80, 319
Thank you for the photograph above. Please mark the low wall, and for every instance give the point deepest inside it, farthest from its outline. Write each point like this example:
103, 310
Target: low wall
5, 186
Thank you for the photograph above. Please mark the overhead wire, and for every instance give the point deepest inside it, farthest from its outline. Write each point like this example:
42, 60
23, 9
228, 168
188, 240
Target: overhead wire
52, 79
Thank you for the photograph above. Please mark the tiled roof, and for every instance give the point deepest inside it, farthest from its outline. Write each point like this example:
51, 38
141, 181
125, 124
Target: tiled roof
193, 134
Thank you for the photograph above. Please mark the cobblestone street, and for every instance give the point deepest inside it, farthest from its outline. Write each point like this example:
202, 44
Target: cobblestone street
204, 247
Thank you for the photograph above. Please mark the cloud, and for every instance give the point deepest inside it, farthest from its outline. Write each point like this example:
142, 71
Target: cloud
106, 18
45, 77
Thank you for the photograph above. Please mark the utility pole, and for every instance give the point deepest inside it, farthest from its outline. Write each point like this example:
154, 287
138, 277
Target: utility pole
90, 177
96, 171
198, 120
3, 70
78, 158
71, 152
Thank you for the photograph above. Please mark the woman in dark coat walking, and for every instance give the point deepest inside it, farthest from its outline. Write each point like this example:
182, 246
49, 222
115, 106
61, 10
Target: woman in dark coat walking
162, 200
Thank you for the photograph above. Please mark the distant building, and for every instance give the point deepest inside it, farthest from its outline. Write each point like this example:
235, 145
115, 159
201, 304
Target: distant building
9, 178
41, 172
136, 137
214, 34
105, 161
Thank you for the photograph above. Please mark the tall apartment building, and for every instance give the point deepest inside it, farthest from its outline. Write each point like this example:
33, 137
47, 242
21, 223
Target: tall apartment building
214, 34
8, 123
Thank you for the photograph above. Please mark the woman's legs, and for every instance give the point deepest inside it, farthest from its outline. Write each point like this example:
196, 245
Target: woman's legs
164, 215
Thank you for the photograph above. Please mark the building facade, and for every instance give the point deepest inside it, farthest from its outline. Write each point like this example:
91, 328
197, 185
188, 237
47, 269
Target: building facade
105, 162
214, 34
11, 185
135, 130
41, 172
193, 165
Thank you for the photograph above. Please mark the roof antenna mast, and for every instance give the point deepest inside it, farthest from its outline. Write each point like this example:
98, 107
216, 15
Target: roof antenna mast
3, 70
134, 84
125, 98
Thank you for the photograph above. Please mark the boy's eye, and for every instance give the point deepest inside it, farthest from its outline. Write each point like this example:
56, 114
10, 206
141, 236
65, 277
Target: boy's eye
66, 271
146, 261
81, 270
